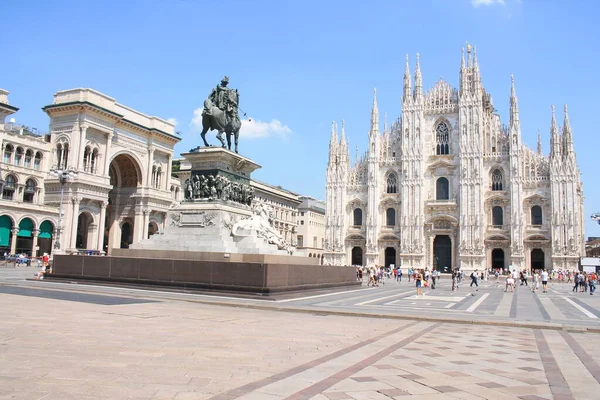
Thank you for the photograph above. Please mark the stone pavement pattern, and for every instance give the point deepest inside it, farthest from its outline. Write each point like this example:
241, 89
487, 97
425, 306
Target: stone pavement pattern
116, 347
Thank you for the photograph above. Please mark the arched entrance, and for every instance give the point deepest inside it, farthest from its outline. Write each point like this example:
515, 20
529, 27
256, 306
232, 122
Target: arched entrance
126, 235
390, 256
537, 259
6, 224
84, 224
357, 256
125, 178
45, 237
498, 259
25, 236
152, 229
442, 253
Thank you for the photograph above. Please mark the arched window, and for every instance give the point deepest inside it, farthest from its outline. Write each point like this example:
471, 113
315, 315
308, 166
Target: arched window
442, 189
19, 155
390, 217
392, 183
62, 154
86, 158
497, 216
94, 161
8, 190
29, 192
497, 180
37, 160
536, 215
28, 157
357, 217
8, 153
442, 136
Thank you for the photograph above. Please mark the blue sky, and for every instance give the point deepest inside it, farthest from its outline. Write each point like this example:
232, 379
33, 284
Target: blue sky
301, 64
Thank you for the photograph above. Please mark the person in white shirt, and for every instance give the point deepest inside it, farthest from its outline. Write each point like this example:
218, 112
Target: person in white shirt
536, 281
544, 281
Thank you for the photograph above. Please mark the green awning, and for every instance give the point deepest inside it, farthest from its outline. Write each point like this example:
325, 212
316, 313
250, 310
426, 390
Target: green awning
5, 225
25, 228
46, 229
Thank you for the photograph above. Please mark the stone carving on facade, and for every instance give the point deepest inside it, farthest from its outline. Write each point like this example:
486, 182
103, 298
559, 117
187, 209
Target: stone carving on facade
175, 219
442, 224
260, 223
209, 187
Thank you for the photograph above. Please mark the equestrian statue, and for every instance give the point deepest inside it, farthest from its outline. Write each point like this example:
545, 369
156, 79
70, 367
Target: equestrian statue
221, 114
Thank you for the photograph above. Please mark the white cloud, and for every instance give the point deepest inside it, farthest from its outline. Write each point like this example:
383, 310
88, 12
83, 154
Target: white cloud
257, 129
477, 3
251, 129
172, 121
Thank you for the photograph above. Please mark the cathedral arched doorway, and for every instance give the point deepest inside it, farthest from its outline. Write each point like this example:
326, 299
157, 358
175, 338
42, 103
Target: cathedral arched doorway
537, 259
84, 225
442, 253
498, 259
390, 256
357, 256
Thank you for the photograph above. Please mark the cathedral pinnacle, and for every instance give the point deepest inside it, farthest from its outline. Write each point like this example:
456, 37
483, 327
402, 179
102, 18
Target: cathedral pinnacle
539, 143
374, 114
567, 136
418, 79
555, 145
407, 82
514, 105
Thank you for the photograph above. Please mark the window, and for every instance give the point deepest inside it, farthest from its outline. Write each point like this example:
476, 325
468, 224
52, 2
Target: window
29, 191
157, 177
94, 161
37, 160
62, 154
8, 190
536, 215
357, 217
392, 184
497, 216
19, 155
315, 242
301, 222
302, 213
86, 158
300, 241
8, 153
390, 217
497, 180
28, 157
442, 189
443, 139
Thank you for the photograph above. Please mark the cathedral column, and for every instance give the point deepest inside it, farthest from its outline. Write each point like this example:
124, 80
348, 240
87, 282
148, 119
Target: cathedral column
109, 137
74, 223
13, 243
101, 226
35, 233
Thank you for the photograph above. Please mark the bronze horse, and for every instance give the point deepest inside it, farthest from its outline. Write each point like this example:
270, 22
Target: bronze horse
215, 119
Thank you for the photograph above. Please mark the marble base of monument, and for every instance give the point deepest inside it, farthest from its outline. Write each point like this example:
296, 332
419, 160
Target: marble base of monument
204, 271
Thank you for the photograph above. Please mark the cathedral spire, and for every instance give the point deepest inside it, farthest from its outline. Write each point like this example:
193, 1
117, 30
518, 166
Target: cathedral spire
407, 81
418, 80
555, 146
385, 125
462, 58
514, 105
539, 143
333, 141
567, 136
374, 115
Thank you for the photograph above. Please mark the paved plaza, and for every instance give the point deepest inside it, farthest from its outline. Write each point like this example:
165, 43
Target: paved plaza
65, 341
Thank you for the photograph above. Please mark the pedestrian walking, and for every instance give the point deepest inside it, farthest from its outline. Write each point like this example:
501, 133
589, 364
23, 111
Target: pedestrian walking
544, 281
474, 280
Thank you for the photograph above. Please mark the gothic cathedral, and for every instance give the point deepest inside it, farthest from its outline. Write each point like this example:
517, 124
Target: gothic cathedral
448, 185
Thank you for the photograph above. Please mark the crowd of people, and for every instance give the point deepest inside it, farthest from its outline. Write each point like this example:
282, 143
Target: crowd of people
583, 282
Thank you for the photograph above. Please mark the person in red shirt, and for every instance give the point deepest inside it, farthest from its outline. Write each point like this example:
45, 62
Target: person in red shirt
593, 279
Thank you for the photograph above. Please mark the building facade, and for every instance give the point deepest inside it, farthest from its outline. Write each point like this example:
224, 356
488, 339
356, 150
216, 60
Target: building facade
118, 161
311, 227
449, 185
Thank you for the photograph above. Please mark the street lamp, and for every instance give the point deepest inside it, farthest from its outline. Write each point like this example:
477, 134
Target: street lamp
64, 176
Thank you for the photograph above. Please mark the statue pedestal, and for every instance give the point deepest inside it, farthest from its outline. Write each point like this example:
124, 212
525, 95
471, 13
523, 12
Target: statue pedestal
218, 195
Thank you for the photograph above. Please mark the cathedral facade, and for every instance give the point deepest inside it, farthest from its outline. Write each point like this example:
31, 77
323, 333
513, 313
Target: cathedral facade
449, 185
